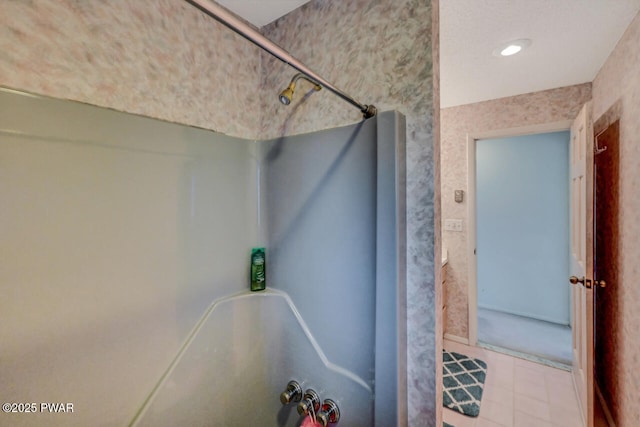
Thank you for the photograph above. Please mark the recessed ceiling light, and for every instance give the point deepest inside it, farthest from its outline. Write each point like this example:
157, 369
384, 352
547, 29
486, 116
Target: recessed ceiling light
512, 47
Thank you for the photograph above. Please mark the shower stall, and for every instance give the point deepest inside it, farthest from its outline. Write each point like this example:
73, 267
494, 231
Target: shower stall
125, 247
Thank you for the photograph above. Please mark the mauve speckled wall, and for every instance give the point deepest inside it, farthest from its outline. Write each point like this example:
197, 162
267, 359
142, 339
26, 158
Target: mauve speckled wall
163, 59
456, 122
380, 53
616, 95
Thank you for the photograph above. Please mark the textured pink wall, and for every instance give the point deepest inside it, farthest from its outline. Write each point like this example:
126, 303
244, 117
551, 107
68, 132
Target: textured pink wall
439, 294
163, 59
616, 95
456, 122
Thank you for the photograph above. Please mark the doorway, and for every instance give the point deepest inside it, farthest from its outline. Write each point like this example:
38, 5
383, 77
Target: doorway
519, 239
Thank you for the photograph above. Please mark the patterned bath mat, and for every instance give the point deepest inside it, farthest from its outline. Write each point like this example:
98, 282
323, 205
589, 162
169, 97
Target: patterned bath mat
463, 379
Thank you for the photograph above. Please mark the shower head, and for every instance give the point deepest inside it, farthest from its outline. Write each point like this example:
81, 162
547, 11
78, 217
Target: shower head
286, 96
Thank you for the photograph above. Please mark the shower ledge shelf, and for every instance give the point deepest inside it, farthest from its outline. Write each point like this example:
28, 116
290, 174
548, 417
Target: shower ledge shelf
193, 335
273, 293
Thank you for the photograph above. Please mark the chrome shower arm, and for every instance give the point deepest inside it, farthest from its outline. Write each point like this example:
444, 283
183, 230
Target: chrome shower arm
234, 23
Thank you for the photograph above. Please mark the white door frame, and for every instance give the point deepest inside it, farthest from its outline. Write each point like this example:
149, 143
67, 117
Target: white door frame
472, 287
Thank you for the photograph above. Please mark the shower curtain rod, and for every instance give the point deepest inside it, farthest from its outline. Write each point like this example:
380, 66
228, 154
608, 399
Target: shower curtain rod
233, 22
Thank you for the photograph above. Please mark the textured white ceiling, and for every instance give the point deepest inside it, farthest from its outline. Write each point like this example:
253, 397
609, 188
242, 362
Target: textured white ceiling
571, 41
261, 12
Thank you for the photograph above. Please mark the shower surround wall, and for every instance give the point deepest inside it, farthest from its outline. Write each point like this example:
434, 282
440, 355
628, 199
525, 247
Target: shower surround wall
332, 208
84, 179
456, 123
117, 233
170, 61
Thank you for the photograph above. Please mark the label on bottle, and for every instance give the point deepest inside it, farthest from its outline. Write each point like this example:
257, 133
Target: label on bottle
258, 270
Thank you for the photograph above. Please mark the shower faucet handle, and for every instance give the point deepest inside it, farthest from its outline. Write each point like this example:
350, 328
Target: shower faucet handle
329, 414
310, 401
293, 393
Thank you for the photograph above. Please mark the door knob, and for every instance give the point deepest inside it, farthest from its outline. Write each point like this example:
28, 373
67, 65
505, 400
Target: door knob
574, 280
600, 283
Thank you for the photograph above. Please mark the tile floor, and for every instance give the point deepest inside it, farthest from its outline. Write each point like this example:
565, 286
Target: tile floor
519, 393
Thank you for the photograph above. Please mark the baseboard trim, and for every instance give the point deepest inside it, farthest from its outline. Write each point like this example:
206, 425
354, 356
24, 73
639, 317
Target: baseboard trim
524, 314
605, 408
455, 338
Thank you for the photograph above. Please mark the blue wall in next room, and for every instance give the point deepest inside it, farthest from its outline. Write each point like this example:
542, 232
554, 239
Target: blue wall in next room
523, 225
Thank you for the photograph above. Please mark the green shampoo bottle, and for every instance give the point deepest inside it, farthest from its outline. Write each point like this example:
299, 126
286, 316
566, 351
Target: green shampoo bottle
258, 269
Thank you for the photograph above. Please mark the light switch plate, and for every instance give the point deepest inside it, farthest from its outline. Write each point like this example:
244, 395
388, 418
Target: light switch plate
453, 225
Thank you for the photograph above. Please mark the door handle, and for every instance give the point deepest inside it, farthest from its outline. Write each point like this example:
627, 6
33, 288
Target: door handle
574, 280
587, 283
